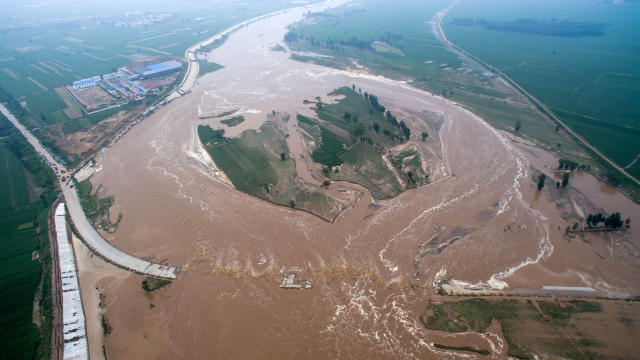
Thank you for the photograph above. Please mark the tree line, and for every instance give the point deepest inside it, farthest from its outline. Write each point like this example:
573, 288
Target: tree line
611, 222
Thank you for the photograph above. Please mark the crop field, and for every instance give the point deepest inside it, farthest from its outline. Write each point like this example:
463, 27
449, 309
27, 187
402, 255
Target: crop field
258, 163
27, 188
590, 80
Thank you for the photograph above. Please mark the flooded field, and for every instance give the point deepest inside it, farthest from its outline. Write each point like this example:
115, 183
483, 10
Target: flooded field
373, 270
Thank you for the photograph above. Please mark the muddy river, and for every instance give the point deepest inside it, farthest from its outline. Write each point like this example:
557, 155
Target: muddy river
373, 270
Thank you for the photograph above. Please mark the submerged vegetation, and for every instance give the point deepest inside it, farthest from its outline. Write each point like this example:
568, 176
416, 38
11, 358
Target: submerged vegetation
529, 327
236, 120
206, 67
150, 284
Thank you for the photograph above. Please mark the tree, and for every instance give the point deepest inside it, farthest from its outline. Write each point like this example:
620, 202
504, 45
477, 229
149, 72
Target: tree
283, 156
292, 203
518, 125
376, 127
356, 129
405, 129
347, 115
425, 135
353, 87
565, 180
627, 223
613, 221
541, 180
590, 220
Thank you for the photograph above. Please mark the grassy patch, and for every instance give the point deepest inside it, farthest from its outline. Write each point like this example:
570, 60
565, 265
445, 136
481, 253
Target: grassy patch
236, 120
151, 284
351, 135
254, 164
525, 329
435, 318
409, 165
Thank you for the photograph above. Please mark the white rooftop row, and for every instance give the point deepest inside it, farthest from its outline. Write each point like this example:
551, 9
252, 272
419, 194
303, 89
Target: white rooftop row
73, 322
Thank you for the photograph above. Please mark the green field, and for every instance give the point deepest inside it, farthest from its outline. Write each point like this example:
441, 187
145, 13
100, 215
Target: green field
27, 189
590, 82
557, 328
236, 120
254, 163
349, 138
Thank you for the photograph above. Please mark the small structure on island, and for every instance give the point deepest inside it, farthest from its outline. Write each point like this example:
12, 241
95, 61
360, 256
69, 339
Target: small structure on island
291, 281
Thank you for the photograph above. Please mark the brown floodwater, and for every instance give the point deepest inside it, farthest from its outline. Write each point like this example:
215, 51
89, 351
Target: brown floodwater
372, 271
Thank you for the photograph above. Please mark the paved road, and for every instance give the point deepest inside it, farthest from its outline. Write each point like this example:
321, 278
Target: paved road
89, 235
533, 99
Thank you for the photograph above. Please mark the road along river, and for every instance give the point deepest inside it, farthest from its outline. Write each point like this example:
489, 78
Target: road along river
89, 235
373, 270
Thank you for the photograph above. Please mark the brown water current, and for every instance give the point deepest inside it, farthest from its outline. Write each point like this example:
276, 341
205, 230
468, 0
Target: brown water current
372, 270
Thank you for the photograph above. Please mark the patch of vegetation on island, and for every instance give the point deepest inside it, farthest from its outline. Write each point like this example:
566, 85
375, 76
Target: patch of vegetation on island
462, 348
352, 137
527, 329
259, 164
563, 28
97, 208
409, 164
236, 120
206, 67
278, 47
150, 284
435, 318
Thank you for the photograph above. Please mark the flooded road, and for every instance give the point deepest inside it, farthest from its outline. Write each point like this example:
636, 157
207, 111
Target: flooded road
373, 270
